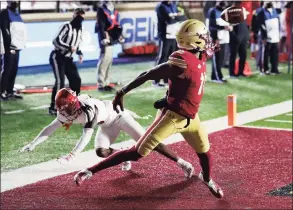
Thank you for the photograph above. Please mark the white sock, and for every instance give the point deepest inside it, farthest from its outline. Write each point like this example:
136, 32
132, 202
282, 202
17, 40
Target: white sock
180, 161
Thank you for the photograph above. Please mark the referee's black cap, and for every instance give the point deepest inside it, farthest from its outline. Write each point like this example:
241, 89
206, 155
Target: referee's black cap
79, 11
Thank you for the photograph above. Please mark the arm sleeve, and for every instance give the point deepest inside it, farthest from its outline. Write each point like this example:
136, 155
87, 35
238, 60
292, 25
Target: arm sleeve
180, 17
165, 70
58, 40
46, 132
261, 23
78, 51
254, 24
213, 23
83, 141
213, 27
164, 15
5, 27
101, 23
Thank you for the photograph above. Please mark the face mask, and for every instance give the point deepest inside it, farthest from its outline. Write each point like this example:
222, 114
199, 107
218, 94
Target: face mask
76, 22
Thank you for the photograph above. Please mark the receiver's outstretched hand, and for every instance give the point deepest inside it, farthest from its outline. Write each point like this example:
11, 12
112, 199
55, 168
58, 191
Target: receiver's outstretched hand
118, 101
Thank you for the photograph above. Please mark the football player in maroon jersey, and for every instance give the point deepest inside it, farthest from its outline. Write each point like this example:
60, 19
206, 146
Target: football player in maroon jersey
186, 70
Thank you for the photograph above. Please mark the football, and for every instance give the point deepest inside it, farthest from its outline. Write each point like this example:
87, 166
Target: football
234, 15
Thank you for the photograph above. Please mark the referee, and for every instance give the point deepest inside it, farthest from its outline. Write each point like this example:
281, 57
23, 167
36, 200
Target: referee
66, 43
1, 56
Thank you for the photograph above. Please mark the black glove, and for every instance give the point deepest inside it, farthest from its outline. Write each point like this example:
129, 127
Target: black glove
159, 104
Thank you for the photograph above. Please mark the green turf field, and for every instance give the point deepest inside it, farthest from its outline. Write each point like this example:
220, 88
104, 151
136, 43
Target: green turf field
280, 121
20, 128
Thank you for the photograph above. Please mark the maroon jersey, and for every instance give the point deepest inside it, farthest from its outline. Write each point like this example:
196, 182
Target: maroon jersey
186, 90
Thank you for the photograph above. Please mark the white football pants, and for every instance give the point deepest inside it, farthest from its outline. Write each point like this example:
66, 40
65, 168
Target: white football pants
107, 134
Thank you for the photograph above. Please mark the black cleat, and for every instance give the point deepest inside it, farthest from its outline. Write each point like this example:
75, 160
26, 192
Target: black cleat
105, 89
4, 97
52, 111
14, 96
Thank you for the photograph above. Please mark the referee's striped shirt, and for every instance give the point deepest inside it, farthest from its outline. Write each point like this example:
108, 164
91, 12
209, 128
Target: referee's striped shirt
68, 38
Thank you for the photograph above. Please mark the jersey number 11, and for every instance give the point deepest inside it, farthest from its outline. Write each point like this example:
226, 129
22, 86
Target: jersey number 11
203, 78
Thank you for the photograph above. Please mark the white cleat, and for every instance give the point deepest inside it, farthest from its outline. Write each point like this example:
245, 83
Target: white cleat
81, 176
126, 166
213, 187
186, 167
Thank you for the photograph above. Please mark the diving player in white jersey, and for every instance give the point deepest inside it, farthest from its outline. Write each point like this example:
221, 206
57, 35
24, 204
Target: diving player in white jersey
91, 113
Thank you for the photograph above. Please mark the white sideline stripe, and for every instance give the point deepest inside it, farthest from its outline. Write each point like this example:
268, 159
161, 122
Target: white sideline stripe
265, 128
14, 112
40, 107
281, 121
289, 114
41, 171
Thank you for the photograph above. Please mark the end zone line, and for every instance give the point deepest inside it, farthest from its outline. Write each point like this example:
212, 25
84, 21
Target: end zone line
31, 174
265, 128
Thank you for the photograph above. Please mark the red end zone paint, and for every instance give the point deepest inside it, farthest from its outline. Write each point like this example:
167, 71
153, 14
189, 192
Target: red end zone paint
248, 163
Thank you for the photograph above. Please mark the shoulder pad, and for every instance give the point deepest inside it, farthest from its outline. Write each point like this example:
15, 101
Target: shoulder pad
83, 97
177, 59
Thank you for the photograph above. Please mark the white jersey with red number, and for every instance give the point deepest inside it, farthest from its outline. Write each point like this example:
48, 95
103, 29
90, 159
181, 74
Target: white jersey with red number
110, 123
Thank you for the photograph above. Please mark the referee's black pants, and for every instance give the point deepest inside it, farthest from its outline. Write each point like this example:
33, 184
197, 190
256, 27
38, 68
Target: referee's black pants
9, 73
166, 48
238, 45
62, 66
1, 66
272, 52
217, 63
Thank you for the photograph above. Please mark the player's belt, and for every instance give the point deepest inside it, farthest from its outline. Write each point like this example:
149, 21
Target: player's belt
188, 122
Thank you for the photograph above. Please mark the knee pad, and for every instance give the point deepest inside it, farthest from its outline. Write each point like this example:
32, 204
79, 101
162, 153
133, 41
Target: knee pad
148, 145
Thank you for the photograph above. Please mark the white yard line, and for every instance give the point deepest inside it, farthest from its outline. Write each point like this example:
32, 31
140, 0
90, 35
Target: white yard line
14, 112
289, 114
41, 171
40, 107
280, 121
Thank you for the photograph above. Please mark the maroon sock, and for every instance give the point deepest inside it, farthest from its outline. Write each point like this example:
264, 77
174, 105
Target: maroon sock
115, 159
205, 163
